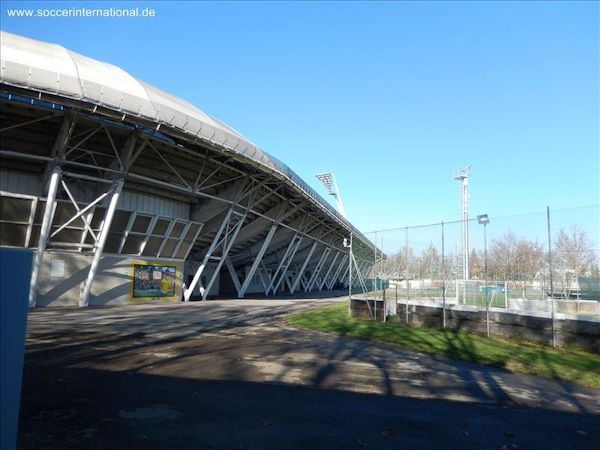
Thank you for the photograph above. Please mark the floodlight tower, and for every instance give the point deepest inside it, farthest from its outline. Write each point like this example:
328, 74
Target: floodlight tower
462, 175
328, 180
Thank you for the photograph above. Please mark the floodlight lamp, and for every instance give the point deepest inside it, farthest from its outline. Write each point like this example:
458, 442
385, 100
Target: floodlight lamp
327, 180
462, 172
483, 219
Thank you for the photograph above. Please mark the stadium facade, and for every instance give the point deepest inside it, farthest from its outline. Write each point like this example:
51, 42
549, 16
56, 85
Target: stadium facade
124, 192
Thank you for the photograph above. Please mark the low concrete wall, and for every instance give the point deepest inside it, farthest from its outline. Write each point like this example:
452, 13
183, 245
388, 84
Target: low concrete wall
561, 306
360, 308
583, 332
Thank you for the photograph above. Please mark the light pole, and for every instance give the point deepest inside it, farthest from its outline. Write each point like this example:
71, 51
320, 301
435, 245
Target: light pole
348, 245
483, 219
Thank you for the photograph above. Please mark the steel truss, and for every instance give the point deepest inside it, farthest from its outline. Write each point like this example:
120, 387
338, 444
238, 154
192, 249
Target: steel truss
336, 276
222, 242
73, 159
325, 277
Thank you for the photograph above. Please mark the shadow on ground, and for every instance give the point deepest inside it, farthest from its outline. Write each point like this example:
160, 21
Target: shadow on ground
234, 375
84, 408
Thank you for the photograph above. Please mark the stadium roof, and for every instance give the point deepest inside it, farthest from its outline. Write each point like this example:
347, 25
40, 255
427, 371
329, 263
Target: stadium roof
49, 68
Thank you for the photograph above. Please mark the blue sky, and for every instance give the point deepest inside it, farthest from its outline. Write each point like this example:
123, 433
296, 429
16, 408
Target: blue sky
391, 97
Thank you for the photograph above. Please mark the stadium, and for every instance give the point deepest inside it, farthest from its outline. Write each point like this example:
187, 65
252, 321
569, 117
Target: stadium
121, 192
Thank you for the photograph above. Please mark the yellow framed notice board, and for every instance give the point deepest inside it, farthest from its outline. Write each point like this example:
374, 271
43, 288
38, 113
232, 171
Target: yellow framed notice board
153, 281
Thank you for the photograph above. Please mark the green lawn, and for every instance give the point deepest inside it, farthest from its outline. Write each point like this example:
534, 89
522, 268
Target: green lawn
571, 363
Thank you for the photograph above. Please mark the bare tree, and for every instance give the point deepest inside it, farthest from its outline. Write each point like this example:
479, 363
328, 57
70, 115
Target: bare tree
476, 263
575, 252
501, 257
395, 265
515, 258
429, 263
529, 259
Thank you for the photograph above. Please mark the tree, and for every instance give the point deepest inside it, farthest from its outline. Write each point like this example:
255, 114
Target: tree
529, 259
476, 268
429, 262
395, 265
574, 252
501, 257
514, 258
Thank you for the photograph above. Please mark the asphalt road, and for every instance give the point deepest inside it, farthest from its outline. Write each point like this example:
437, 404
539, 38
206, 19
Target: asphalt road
232, 374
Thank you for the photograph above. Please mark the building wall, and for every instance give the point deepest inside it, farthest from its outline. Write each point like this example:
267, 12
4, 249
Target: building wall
152, 204
33, 184
21, 182
112, 282
111, 285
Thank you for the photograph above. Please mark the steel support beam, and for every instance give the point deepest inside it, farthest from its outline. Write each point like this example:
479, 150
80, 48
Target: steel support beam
262, 278
284, 263
303, 268
234, 277
346, 274
188, 292
115, 192
326, 276
257, 260
231, 239
317, 271
336, 275
55, 178
99, 247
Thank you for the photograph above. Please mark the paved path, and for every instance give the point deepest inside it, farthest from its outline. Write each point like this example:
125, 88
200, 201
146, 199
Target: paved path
233, 374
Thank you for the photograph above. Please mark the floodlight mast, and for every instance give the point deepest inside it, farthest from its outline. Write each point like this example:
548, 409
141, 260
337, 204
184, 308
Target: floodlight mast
328, 181
462, 175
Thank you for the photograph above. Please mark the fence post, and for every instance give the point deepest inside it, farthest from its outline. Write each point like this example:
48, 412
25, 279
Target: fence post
407, 277
443, 281
374, 269
550, 267
350, 255
383, 304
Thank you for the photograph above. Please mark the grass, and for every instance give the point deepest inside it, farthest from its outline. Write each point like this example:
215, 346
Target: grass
571, 363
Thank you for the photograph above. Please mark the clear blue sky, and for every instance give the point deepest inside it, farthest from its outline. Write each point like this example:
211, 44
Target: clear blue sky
392, 97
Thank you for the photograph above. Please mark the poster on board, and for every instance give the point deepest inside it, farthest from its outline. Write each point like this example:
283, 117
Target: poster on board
153, 281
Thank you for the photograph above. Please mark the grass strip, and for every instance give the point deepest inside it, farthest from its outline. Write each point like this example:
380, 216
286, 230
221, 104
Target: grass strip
569, 363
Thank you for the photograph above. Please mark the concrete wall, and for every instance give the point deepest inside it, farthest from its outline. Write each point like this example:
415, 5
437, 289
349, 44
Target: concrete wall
583, 332
561, 306
360, 308
111, 285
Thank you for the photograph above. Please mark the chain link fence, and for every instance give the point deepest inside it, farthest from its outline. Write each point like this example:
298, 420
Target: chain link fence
543, 264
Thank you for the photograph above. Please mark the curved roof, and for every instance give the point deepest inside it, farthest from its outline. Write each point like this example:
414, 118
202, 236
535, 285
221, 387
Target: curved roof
50, 68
